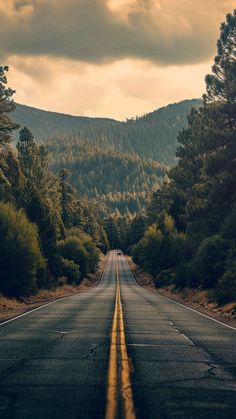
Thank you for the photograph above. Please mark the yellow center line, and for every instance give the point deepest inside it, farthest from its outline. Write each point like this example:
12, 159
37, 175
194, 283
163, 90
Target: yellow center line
119, 385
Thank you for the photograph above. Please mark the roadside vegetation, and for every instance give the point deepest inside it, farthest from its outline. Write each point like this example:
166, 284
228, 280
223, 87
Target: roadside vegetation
49, 234
64, 202
188, 231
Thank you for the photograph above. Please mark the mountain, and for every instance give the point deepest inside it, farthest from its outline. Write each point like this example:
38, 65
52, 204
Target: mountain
45, 123
114, 163
153, 135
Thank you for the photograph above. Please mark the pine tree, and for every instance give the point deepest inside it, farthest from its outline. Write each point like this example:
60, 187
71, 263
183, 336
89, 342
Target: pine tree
220, 109
6, 106
41, 196
69, 199
205, 175
10, 175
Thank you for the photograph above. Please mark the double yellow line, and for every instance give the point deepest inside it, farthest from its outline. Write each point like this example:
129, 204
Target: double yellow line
119, 391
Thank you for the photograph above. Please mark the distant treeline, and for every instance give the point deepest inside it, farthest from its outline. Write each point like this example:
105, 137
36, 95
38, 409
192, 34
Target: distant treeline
115, 179
187, 236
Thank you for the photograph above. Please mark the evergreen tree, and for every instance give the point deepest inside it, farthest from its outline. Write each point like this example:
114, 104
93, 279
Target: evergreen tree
41, 197
10, 175
69, 199
6, 106
200, 197
135, 230
112, 231
220, 104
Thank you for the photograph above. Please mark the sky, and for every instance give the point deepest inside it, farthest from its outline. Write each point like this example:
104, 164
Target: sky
113, 58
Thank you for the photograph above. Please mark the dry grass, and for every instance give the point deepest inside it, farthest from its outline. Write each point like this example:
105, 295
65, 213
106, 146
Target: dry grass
8, 303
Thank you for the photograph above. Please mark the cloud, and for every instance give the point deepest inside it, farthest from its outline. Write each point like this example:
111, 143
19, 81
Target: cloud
115, 58
56, 84
120, 90
165, 32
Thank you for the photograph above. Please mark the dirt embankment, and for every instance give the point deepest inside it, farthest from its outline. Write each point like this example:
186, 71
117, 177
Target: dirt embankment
10, 307
199, 300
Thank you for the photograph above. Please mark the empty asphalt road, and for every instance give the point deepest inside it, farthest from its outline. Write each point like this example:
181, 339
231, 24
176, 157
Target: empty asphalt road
69, 359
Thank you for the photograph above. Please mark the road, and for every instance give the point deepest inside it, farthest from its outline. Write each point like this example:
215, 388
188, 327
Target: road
117, 351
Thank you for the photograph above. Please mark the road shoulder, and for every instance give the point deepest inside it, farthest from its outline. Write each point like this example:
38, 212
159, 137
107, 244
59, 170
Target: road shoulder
195, 299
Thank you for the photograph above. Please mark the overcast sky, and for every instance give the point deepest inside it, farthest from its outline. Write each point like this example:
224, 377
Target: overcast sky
115, 58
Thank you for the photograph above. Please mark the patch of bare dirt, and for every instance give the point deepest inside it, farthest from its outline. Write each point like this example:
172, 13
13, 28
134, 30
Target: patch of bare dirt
10, 307
199, 300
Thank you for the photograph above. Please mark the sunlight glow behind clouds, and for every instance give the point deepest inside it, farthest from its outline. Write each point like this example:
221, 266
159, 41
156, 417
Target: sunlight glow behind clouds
119, 90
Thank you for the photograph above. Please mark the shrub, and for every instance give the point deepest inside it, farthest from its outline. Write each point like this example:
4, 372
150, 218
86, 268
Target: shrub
181, 278
62, 280
93, 254
225, 290
210, 260
157, 251
20, 254
89, 246
147, 251
71, 271
165, 278
80, 250
72, 249
228, 227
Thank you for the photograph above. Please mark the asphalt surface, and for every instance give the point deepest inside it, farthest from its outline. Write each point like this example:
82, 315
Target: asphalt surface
54, 361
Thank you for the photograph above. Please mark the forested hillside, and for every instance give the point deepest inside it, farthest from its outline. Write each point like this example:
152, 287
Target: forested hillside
187, 236
45, 123
153, 136
116, 163
115, 179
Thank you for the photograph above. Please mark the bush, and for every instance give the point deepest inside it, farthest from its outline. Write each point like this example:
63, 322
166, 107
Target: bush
165, 278
225, 290
228, 227
181, 275
61, 281
88, 244
210, 261
72, 249
157, 251
44, 279
82, 251
71, 271
93, 254
20, 254
147, 251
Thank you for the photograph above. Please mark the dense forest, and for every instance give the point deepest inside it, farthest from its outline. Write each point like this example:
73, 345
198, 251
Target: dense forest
152, 136
187, 235
115, 179
116, 164
68, 196
49, 234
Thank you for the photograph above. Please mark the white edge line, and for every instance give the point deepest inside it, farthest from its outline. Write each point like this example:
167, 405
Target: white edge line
55, 301
180, 304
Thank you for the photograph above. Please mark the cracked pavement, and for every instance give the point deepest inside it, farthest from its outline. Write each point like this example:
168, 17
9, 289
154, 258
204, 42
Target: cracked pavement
53, 361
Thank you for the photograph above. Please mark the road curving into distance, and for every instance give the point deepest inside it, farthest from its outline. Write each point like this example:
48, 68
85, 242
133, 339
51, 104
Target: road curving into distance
117, 351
